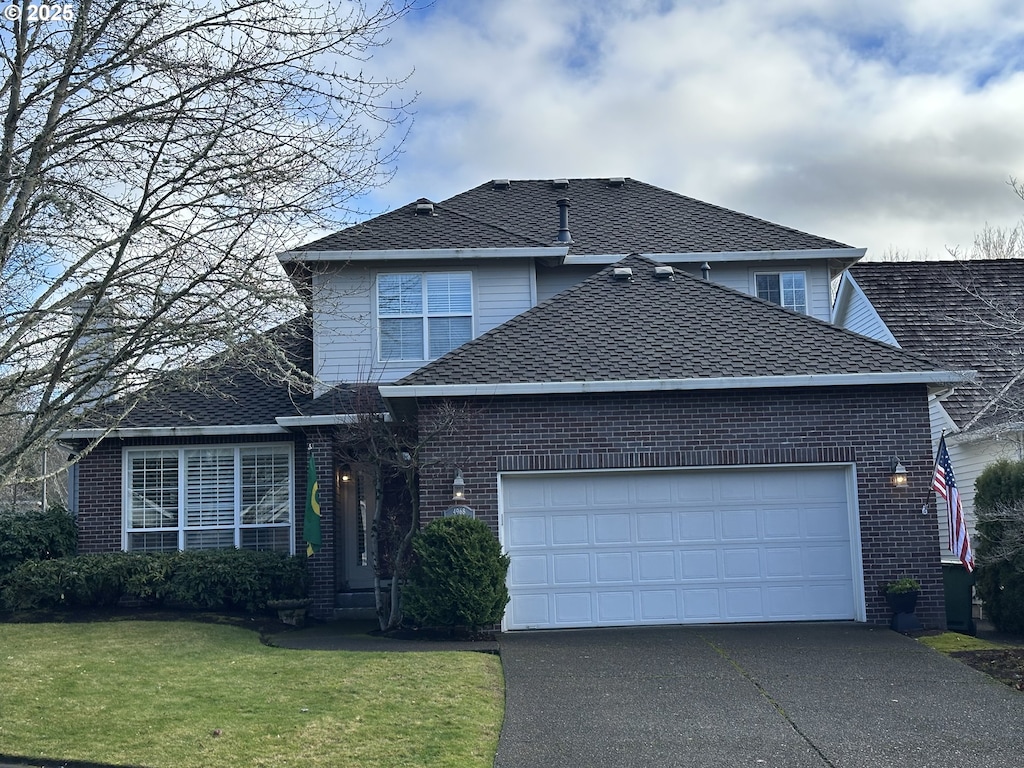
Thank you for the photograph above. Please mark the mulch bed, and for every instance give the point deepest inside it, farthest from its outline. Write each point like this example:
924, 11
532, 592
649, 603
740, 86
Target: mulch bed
1005, 665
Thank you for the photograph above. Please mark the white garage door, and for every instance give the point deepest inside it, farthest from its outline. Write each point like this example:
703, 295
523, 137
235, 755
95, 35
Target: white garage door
668, 547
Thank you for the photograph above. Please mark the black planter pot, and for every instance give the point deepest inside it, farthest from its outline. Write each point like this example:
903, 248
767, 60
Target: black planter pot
902, 605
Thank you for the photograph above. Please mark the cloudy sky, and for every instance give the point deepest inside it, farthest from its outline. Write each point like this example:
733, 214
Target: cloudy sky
881, 123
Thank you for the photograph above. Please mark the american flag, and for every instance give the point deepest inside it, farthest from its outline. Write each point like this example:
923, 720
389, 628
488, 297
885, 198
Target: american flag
945, 485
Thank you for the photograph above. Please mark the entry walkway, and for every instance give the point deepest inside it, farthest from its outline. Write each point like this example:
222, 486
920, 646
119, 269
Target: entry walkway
786, 696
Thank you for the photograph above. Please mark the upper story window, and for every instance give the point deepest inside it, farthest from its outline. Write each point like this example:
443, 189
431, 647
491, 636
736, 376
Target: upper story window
209, 497
789, 289
422, 315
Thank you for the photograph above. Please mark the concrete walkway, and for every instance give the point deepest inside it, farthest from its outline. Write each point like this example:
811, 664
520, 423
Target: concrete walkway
821, 695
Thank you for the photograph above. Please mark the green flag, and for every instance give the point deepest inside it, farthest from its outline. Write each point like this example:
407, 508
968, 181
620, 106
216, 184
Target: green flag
311, 524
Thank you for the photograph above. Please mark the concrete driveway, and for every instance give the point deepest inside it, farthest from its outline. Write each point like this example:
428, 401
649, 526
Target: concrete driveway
794, 695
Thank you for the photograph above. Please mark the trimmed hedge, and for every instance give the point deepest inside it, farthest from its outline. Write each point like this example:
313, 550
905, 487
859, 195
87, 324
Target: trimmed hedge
999, 509
458, 576
233, 579
38, 535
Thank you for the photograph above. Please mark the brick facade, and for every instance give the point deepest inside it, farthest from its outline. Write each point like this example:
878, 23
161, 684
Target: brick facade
101, 487
865, 426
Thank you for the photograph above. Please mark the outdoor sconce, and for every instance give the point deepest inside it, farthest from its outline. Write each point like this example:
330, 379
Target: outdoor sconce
345, 474
458, 487
899, 474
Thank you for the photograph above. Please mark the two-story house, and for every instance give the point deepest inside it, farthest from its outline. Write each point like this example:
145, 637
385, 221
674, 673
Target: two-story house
664, 426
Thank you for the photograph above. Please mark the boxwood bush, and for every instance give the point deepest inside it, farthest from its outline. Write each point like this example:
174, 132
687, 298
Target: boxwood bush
458, 576
205, 579
35, 535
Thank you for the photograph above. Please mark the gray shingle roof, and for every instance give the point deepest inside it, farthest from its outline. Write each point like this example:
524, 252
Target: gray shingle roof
221, 392
962, 314
603, 219
607, 329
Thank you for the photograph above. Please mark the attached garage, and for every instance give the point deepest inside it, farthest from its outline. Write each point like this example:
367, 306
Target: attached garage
617, 548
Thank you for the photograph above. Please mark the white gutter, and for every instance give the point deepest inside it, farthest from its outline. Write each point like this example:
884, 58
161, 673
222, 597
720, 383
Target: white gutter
327, 420
663, 385
425, 254
722, 256
126, 432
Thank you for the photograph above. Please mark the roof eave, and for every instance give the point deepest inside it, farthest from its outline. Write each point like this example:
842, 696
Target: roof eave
396, 391
426, 254
169, 431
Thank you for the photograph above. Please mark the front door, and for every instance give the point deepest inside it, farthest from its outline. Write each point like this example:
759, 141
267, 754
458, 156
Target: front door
353, 489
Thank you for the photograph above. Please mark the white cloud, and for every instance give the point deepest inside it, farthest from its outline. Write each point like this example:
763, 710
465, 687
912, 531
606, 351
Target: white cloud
879, 123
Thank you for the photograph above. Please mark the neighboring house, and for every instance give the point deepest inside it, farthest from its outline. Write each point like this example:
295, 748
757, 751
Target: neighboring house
963, 314
678, 436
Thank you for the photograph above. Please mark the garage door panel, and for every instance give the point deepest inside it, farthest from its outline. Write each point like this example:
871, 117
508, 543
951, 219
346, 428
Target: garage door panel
530, 609
658, 605
743, 604
527, 532
783, 562
613, 528
614, 567
741, 564
826, 522
699, 564
654, 527
782, 523
739, 525
701, 604
573, 609
570, 530
697, 526
657, 547
828, 562
616, 608
570, 569
740, 487
657, 566
528, 570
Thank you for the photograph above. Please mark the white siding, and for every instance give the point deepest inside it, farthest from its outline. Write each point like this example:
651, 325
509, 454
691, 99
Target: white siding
554, 280
344, 316
969, 460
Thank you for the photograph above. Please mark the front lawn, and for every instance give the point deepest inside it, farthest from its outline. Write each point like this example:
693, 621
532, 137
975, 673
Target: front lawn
177, 694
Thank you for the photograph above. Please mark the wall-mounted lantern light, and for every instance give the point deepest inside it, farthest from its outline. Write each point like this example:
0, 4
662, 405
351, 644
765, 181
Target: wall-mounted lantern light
345, 474
458, 487
899, 474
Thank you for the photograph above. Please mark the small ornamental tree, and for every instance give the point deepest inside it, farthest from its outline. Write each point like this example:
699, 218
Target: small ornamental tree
999, 508
458, 579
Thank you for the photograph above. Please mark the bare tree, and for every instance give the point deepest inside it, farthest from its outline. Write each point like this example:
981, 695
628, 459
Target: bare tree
154, 157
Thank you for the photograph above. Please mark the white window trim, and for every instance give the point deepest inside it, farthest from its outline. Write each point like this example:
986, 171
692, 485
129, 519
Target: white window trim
424, 315
779, 273
181, 529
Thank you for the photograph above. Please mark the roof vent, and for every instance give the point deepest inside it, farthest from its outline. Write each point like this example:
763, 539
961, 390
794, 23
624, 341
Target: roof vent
563, 221
705, 271
424, 207
560, 184
616, 181
664, 272
623, 273
501, 184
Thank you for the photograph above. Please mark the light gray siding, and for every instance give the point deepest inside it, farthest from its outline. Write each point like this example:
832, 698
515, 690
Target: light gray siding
855, 313
345, 347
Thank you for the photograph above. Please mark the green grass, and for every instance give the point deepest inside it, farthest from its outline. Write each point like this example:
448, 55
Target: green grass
153, 694
951, 642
